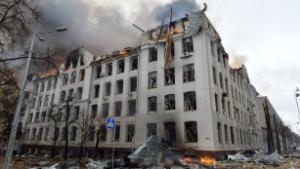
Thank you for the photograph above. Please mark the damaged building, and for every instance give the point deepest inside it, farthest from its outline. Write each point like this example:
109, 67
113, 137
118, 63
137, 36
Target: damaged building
193, 101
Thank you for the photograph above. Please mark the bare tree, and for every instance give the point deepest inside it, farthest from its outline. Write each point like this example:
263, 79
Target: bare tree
15, 18
86, 123
55, 117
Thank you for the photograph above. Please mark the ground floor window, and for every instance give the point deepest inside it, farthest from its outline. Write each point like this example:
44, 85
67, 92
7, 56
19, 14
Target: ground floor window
190, 131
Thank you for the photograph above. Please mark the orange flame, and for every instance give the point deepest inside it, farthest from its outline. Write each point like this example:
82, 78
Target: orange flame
207, 160
123, 52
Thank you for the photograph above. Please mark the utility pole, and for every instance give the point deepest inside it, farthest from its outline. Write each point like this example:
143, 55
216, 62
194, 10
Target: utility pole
12, 137
14, 127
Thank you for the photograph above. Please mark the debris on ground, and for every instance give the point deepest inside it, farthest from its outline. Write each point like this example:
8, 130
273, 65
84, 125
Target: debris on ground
273, 158
238, 157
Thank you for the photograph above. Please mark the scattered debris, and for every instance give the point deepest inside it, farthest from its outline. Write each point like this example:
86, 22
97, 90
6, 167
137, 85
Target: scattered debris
238, 157
273, 158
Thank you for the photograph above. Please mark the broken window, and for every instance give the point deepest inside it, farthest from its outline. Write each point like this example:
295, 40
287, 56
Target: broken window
107, 88
212, 49
152, 80
121, 66
152, 103
81, 60
232, 135
151, 129
228, 108
170, 133
49, 85
170, 102
188, 73
33, 134
217, 102
133, 63
98, 72
37, 116
33, 103
105, 109
219, 55
40, 101
130, 133
103, 132
43, 116
187, 44
241, 137
169, 76
109, 69
133, 84
73, 77
42, 87
215, 75
73, 133
79, 93
70, 94
92, 133
96, 91
118, 108
221, 80
81, 75
76, 114
190, 101
65, 79
223, 105
190, 131
131, 107
219, 132
226, 133
56, 133
30, 118
152, 54
94, 111
117, 132
226, 84
46, 134
55, 83
46, 101
39, 138
62, 96
119, 87
64, 134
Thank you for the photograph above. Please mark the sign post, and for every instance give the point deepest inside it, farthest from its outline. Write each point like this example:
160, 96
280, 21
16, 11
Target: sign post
110, 123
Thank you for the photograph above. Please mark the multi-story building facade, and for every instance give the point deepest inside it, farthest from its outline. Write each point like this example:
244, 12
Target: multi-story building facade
275, 135
194, 102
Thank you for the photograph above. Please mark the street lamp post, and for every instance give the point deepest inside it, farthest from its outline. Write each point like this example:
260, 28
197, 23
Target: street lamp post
14, 126
297, 94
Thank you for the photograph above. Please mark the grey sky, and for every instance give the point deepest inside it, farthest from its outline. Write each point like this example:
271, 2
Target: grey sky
266, 33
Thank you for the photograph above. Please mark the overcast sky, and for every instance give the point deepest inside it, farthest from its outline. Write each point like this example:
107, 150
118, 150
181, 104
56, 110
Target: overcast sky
264, 33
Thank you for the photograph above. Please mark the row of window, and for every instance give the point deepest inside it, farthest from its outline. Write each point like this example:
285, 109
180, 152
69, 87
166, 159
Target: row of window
73, 77
49, 85
190, 104
120, 67
190, 132
244, 137
71, 95
119, 87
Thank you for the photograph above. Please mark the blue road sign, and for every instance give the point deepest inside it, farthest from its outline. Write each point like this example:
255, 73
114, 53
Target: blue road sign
110, 122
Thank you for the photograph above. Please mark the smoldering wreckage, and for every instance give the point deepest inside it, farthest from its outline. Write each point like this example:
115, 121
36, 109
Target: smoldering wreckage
155, 154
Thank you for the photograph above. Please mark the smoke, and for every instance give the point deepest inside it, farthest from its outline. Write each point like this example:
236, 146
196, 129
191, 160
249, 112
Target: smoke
236, 60
104, 26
